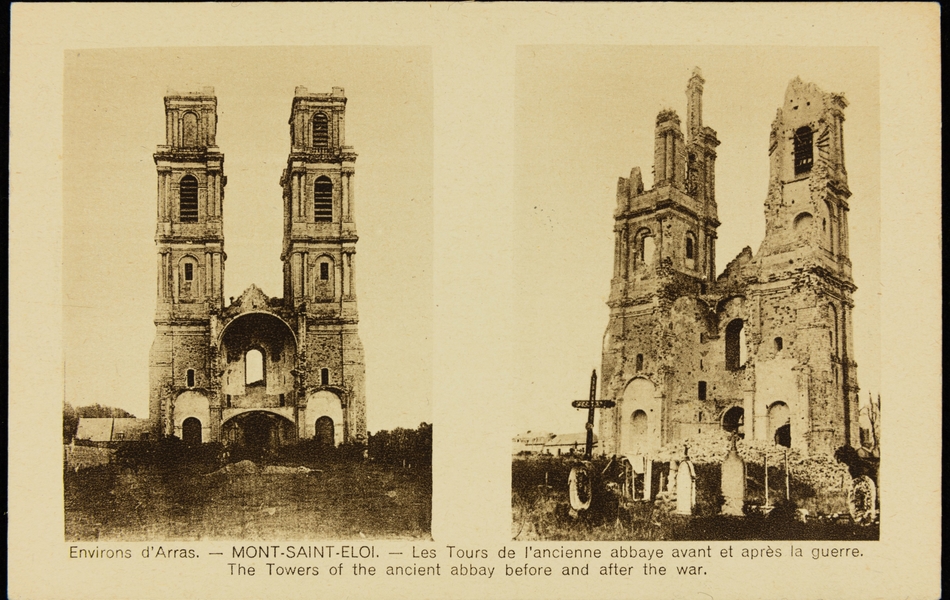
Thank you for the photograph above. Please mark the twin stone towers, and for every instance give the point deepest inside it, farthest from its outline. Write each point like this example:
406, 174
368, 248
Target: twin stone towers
763, 349
258, 372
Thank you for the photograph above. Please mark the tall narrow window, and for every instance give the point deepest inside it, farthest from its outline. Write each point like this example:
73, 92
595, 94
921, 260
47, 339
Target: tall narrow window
188, 199
803, 150
189, 271
324, 271
321, 131
689, 247
323, 200
253, 367
190, 377
735, 340
639, 362
702, 392
324, 376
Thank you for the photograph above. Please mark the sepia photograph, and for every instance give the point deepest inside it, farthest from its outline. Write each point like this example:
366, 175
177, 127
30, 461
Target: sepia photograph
247, 291
721, 296
474, 300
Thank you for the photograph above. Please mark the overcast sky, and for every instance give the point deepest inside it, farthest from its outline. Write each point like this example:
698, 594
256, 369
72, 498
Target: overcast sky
585, 116
113, 120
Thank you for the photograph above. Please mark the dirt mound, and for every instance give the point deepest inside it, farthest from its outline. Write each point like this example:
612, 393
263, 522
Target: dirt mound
244, 467
278, 470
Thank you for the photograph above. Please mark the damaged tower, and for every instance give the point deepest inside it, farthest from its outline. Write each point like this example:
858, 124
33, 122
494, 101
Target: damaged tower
764, 349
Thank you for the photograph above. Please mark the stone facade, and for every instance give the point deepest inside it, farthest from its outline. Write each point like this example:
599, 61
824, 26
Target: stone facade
258, 372
764, 349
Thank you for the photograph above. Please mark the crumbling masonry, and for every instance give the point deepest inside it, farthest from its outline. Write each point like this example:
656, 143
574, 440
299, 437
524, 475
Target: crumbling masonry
259, 372
764, 349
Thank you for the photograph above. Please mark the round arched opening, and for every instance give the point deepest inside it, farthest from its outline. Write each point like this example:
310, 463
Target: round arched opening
323, 432
733, 421
191, 431
256, 435
779, 424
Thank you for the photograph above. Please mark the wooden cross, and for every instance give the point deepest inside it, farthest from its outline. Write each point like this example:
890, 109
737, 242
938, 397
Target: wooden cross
590, 405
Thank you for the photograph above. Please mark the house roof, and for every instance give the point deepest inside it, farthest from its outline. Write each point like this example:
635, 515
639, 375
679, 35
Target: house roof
569, 439
109, 429
94, 429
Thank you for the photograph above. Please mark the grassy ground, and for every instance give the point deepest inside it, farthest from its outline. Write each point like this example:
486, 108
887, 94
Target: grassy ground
541, 511
344, 500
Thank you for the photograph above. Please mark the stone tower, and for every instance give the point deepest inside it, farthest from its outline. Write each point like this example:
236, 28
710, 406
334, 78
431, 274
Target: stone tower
189, 240
665, 246
259, 372
802, 294
764, 350
318, 255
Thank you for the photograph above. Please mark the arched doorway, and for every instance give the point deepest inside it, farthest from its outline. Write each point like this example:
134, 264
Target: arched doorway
779, 424
733, 421
191, 431
323, 432
256, 435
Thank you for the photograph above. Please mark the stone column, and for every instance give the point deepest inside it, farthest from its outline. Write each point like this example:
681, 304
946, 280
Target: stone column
668, 170
207, 276
346, 275
295, 194
160, 274
345, 196
352, 274
349, 197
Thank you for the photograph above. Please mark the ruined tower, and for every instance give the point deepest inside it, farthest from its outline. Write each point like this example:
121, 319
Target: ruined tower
764, 349
802, 293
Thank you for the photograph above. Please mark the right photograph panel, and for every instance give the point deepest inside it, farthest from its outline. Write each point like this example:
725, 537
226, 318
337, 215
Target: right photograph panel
697, 251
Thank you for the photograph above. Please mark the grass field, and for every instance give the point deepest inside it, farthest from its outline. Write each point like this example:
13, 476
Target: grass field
340, 500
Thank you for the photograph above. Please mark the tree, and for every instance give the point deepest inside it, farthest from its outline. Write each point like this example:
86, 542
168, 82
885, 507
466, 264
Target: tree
97, 411
70, 422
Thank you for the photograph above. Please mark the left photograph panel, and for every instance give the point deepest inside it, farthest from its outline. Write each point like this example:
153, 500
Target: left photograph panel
247, 280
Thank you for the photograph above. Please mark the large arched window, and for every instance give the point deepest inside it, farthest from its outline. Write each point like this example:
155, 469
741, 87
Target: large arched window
253, 367
189, 130
735, 345
803, 150
321, 131
647, 249
188, 199
323, 200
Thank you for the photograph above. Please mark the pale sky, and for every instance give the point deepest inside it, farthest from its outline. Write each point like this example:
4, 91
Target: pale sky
585, 116
114, 119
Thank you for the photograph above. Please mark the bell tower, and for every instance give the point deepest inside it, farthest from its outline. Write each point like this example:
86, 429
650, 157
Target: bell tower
804, 261
319, 251
189, 241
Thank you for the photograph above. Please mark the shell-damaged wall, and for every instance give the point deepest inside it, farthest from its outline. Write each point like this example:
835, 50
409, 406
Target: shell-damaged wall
764, 349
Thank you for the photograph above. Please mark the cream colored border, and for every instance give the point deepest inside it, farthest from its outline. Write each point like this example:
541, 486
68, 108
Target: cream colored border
473, 50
